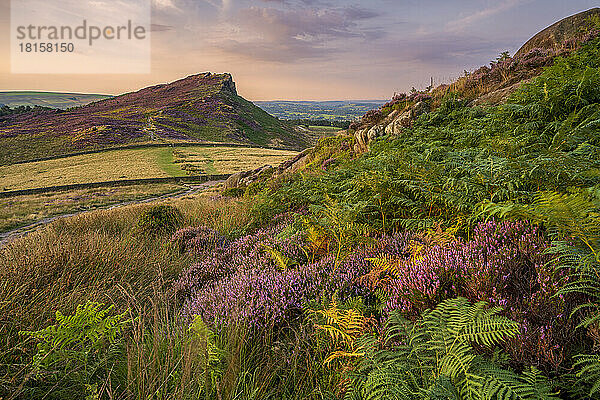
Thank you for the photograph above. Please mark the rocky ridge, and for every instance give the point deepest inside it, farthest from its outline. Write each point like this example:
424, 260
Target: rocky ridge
502, 78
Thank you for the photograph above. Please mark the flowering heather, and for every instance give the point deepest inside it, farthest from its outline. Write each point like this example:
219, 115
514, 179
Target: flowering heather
419, 96
247, 252
397, 99
197, 239
257, 293
500, 263
537, 57
504, 264
403, 98
372, 117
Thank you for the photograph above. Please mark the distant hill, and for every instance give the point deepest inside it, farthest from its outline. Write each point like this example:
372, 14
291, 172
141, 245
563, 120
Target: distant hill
49, 99
202, 108
348, 110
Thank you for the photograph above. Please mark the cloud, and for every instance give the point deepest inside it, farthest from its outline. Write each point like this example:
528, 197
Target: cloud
160, 28
436, 50
290, 34
469, 19
165, 5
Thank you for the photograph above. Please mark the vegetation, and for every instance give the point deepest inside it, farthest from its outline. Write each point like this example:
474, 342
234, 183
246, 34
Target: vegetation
5, 110
153, 162
48, 99
436, 358
332, 112
321, 124
160, 219
201, 108
18, 211
455, 260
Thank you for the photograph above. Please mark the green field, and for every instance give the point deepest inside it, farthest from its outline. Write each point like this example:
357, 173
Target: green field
137, 164
48, 99
343, 110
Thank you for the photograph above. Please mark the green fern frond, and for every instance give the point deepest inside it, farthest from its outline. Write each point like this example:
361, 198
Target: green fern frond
435, 358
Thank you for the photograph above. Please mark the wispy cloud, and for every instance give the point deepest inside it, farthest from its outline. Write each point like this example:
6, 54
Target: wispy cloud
470, 19
165, 5
291, 34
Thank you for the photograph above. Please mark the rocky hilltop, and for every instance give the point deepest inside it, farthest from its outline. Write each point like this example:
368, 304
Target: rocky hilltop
569, 29
203, 107
486, 86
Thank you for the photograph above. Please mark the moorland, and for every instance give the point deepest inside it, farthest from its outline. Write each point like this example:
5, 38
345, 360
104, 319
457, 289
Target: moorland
445, 246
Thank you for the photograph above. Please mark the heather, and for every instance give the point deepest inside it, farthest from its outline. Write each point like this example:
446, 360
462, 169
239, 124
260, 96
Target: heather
267, 283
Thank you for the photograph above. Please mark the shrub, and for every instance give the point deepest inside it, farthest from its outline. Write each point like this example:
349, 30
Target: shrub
159, 220
354, 126
197, 239
372, 117
233, 192
398, 99
505, 264
243, 282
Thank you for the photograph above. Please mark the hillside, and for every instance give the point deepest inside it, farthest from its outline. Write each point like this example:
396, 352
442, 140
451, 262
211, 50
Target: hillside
452, 202
48, 99
203, 108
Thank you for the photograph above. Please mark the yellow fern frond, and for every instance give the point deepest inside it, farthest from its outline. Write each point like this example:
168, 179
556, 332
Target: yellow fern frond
342, 326
384, 270
341, 354
282, 261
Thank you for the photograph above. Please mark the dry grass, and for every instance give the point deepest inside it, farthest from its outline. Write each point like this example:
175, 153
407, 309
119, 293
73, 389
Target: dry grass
19, 211
95, 256
226, 160
136, 164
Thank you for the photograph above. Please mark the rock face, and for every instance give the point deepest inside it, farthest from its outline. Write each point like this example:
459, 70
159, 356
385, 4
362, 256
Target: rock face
498, 96
553, 36
393, 124
245, 178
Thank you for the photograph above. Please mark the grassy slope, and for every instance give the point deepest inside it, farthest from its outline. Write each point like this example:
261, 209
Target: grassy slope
200, 107
48, 99
135, 164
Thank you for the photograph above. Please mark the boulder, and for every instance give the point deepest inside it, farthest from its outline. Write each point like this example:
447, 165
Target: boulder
294, 164
394, 124
245, 178
361, 140
419, 109
555, 35
497, 96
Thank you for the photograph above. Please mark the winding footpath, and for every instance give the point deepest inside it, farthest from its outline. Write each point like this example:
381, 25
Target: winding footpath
6, 237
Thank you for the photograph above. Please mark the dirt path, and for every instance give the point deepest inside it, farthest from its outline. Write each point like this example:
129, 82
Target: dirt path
6, 237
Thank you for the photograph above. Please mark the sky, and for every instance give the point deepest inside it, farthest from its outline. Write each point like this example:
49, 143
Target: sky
314, 49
